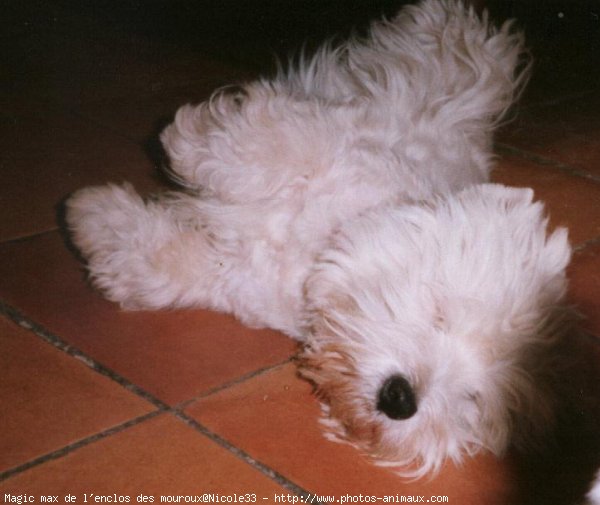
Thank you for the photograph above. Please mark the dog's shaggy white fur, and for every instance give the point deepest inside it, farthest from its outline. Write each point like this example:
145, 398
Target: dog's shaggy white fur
345, 202
593, 496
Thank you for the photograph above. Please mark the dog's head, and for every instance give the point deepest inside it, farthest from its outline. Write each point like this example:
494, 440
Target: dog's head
430, 326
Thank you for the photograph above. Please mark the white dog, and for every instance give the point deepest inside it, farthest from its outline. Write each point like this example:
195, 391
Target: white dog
345, 203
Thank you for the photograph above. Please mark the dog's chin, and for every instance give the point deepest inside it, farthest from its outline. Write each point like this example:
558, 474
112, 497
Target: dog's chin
412, 448
415, 446
410, 455
448, 425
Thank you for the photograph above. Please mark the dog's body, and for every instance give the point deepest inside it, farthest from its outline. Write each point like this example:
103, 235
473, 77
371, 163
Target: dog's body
345, 203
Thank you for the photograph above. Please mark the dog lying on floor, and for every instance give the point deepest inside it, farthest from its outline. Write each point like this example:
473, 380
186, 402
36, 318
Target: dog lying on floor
346, 203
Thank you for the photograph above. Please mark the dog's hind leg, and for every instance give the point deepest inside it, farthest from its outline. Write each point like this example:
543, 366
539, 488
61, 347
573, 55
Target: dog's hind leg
145, 254
451, 59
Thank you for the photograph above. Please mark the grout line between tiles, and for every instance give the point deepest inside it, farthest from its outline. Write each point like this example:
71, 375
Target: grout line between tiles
63, 451
269, 472
545, 162
588, 243
234, 382
58, 343
72, 351
23, 238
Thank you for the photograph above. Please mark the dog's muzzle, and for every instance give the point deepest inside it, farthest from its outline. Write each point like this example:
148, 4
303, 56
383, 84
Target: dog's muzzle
396, 399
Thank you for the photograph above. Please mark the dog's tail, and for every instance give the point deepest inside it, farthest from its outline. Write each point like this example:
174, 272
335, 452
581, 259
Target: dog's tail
448, 59
436, 58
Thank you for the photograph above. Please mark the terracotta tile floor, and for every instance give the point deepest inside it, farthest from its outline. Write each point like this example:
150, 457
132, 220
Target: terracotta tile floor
96, 400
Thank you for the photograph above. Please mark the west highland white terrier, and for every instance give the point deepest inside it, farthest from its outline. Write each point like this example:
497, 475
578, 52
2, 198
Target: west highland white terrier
346, 203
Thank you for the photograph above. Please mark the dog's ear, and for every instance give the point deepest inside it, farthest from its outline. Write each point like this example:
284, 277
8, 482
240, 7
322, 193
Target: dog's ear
555, 249
498, 195
515, 262
558, 250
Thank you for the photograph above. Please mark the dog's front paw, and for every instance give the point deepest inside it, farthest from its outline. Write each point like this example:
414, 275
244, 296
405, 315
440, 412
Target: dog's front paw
99, 216
107, 226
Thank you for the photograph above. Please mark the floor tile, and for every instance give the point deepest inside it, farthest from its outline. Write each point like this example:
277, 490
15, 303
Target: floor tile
567, 132
571, 201
47, 153
174, 355
143, 118
50, 399
584, 275
161, 456
274, 418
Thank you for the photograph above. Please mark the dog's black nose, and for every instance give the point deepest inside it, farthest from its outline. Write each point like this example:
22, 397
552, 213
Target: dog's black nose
396, 398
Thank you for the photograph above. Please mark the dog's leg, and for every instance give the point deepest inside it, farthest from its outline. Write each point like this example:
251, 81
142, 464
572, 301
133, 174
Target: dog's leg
145, 254
432, 53
454, 62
